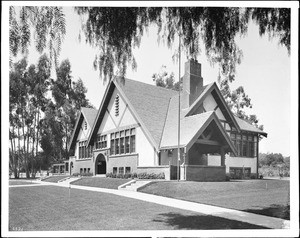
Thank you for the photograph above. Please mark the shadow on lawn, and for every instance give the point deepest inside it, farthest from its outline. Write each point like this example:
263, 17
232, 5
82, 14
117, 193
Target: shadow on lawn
274, 210
202, 222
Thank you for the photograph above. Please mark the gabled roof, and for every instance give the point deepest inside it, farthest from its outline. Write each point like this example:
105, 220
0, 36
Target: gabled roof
191, 128
246, 126
148, 104
89, 114
214, 90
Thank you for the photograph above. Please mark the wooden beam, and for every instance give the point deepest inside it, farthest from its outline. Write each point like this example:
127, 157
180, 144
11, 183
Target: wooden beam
208, 142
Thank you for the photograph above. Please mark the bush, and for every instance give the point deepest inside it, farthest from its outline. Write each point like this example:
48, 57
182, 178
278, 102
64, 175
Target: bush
135, 175
252, 176
87, 174
75, 174
227, 178
144, 175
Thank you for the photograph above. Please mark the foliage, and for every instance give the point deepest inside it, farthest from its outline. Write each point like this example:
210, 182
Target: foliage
46, 24
274, 164
36, 121
238, 101
165, 80
145, 175
115, 32
274, 21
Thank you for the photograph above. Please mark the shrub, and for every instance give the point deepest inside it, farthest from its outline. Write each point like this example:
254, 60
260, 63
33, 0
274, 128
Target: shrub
252, 176
75, 174
144, 175
127, 176
134, 175
87, 174
227, 178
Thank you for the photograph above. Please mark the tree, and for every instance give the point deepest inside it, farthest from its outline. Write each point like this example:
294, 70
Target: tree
60, 116
48, 25
165, 80
238, 101
116, 31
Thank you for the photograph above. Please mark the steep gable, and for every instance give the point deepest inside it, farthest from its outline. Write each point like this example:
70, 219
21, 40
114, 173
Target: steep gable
86, 114
148, 104
213, 90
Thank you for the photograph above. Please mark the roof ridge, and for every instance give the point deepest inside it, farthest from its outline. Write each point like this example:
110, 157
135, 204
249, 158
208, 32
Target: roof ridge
165, 121
154, 86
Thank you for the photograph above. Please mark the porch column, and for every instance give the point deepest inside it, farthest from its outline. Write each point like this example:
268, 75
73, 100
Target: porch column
222, 152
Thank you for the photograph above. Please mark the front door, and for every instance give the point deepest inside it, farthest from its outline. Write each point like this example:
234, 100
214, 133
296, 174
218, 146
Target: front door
100, 165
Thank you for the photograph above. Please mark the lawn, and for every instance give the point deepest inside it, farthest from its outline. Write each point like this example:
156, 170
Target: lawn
55, 179
46, 208
99, 182
266, 197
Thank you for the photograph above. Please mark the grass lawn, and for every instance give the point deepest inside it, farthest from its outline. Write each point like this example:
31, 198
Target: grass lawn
21, 182
55, 179
99, 182
266, 197
46, 208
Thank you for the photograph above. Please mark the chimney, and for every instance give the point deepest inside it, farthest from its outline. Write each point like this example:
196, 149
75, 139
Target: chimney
192, 83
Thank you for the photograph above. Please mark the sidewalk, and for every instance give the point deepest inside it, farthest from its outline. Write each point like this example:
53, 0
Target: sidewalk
260, 220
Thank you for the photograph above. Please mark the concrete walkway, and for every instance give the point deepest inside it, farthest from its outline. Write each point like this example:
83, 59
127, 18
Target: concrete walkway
259, 220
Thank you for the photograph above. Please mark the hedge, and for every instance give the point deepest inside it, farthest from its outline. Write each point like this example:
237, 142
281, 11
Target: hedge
135, 175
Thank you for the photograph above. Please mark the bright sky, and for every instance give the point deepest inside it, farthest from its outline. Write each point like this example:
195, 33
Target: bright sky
264, 73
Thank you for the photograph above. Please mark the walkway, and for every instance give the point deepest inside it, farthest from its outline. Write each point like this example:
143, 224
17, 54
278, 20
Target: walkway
259, 220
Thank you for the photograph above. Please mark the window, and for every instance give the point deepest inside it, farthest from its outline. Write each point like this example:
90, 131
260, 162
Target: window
117, 106
85, 152
121, 170
89, 170
127, 170
84, 170
245, 144
115, 170
85, 125
122, 142
81, 170
101, 142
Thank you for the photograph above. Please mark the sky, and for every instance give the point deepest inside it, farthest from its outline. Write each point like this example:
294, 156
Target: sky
264, 73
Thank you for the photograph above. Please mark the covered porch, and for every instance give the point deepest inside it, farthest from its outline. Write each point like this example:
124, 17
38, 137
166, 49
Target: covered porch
208, 138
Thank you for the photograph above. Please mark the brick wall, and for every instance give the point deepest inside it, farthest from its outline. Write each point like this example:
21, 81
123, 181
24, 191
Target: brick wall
203, 173
122, 161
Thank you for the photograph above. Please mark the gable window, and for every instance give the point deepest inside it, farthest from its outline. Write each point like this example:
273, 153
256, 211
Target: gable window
245, 144
122, 142
117, 106
101, 142
85, 125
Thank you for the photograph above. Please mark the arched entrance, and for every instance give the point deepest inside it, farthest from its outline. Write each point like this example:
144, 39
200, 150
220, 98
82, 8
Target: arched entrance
100, 164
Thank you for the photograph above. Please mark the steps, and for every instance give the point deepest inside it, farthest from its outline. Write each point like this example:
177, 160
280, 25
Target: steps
134, 185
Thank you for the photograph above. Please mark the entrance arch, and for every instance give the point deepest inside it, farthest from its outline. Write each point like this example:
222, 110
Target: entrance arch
100, 164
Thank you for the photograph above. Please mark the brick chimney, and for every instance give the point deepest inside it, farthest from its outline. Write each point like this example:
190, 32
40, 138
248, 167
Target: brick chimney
192, 83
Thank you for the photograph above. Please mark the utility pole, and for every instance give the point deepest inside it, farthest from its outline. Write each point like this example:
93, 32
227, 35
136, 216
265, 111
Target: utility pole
178, 160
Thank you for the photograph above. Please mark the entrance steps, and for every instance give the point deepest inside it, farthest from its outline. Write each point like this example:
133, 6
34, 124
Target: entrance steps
134, 185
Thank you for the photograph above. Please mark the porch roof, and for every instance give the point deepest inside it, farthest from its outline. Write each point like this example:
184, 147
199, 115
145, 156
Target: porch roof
190, 129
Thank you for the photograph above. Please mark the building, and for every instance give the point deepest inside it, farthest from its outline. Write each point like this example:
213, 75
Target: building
136, 130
